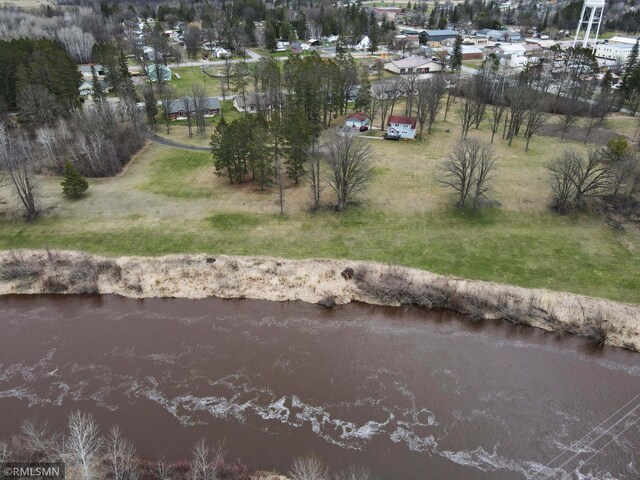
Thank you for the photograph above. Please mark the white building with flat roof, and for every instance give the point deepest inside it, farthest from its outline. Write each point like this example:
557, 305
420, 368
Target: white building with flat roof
618, 52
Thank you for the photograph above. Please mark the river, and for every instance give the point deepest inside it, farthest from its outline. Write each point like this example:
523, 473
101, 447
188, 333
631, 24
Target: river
408, 393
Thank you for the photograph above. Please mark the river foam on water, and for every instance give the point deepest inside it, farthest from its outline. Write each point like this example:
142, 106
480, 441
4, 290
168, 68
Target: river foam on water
409, 394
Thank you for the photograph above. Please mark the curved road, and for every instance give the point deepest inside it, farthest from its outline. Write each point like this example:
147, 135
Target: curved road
154, 137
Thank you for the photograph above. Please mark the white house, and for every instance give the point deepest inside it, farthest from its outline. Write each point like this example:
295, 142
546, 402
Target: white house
220, 52
512, 56
363, 44
413, 65
403, 126
357, 120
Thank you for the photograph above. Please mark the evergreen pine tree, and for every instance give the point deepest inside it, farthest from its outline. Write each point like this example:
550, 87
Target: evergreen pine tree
432, 18
628, 79
456, 55
98, 92
73, 184
607, 81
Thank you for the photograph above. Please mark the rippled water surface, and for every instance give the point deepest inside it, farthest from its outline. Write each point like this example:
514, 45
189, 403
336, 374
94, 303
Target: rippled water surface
411, 394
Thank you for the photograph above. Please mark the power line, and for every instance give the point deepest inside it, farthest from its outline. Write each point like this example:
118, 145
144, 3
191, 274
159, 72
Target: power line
576, 443
606, 444
594, 440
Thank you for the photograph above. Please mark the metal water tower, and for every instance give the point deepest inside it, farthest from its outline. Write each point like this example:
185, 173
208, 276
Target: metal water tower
591, 16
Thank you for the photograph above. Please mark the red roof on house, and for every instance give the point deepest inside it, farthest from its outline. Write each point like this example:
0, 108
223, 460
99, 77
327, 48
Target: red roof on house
358, 116
402, 120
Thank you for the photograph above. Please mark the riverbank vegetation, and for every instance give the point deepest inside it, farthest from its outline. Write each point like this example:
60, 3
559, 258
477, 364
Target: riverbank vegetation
89, 453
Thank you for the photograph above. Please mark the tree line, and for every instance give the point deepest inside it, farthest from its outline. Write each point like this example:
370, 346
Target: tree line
89, 454
38, 78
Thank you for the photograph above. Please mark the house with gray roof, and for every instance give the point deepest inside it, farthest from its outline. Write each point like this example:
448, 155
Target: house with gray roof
178, 110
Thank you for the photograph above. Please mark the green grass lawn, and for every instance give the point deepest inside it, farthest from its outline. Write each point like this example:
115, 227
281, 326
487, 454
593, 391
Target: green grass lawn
530, 250
169, 201
472, 63
190, 76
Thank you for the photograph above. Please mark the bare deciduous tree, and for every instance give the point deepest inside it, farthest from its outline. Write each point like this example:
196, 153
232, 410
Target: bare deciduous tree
206, 460
350, 172
497, 112
437, 89
83, 445
18, 161
187, 103
590, 177
561, 170
574, 177
161, 470
534, 118
167, 95
469, 171
315, 176
38, 439
120, 455
199, 99
381, 99
5, 452
355, 473
76, 42
308, 468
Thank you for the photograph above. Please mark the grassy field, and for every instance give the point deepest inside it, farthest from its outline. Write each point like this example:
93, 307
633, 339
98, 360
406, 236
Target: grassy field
193, 76
170, 200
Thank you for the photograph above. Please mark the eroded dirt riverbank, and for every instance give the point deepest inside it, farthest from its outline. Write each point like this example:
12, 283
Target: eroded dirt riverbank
328, 282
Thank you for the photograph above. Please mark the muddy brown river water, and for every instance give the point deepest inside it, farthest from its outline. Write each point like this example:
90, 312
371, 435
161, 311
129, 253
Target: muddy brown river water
408, 393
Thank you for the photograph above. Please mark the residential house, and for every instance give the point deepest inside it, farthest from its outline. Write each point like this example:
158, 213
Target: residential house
499, 35
178, 110
403, 126
390, 12
220, 52
433, 37
299, 47
86, 87
356, 120
255, 102
85, 70
512, 56
154, 70
216, 50
413, 65
363, 44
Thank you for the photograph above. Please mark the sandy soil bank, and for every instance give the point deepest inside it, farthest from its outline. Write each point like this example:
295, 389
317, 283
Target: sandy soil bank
328, 282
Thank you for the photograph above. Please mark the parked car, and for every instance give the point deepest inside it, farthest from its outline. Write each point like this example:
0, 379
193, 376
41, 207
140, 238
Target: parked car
391, 136
364, 128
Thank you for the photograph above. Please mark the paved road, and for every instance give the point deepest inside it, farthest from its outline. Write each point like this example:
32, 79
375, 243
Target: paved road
170, 143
